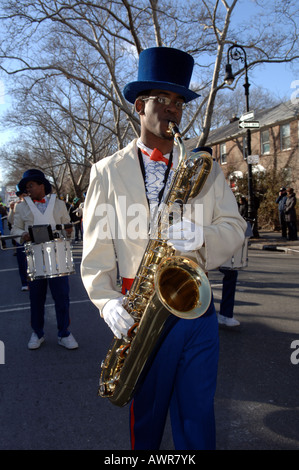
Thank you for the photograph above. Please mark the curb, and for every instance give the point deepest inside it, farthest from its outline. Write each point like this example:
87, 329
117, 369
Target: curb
285, 249
274, 248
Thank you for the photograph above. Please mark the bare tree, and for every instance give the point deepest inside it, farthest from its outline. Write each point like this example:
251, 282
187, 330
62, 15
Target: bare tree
95, 45
64, 131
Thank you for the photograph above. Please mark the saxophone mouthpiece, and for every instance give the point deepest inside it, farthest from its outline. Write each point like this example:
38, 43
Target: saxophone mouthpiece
173, 128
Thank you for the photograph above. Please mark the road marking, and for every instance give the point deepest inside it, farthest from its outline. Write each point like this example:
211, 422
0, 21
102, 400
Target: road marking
6, 270
20, 307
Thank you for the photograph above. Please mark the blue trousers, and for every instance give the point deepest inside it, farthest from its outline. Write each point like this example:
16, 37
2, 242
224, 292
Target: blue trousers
228, 292
59, 287
22, 264
181, 378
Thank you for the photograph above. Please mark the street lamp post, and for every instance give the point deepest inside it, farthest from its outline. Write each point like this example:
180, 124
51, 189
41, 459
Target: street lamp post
237, 52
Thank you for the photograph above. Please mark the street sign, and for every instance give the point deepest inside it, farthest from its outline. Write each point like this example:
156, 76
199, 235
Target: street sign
253, 159
247, 116
248, 124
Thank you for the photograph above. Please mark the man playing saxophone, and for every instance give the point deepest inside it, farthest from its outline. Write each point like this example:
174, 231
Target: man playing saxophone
182, 373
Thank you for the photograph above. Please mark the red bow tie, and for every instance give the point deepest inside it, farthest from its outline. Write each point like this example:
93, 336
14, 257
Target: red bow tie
157, 156
42, 201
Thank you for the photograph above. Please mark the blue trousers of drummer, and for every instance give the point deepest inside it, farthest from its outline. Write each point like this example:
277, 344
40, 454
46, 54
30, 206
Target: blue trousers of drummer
229, 283
22, 264
59, 287
181, 378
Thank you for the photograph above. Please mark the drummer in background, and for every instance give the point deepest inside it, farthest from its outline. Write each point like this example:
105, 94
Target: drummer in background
41, 207
229, 281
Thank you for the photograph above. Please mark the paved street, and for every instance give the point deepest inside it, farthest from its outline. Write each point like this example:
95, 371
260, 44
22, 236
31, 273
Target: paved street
48, 397
257, 404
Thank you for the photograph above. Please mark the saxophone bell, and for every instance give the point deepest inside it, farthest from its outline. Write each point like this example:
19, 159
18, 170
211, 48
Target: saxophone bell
182, 287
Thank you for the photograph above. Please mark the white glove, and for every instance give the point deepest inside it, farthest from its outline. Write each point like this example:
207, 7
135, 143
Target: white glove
116, 317
186, 235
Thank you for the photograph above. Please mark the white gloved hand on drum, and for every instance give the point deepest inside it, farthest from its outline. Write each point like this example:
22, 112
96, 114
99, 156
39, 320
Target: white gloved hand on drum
116, 317
186, 235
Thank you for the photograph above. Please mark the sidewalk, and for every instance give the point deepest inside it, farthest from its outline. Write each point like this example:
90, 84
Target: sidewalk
273, 241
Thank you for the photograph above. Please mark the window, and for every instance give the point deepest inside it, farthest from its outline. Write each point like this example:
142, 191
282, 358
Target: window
265, 142
285, 137
223, 153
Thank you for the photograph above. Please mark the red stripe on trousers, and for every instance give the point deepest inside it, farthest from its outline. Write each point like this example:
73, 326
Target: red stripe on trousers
126, 285
132, 423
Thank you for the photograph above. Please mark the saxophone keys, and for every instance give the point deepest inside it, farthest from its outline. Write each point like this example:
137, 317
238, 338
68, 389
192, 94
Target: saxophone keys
133, 330
122, 352
139, 303
146, 287
160, 251
102, 391
151, 272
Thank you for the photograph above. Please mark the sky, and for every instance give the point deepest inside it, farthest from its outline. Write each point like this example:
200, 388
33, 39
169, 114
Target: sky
279, 79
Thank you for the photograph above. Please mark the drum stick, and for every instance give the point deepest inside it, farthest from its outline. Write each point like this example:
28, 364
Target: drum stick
9, 237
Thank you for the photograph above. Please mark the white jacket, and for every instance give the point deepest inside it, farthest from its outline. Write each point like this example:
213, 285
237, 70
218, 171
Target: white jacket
115, 195
23, 216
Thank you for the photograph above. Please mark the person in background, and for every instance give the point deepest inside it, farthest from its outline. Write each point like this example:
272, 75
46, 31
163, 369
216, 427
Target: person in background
281, 201
40, 207
76, 217
243, 207
230, 275
80, 213
3, 242
20, 252
290, 215
3, 214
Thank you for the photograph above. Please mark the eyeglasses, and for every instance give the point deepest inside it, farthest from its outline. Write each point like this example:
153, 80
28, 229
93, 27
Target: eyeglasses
165, 101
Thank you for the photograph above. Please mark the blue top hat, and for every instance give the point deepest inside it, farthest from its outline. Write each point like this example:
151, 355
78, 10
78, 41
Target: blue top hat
37, 176
162, 68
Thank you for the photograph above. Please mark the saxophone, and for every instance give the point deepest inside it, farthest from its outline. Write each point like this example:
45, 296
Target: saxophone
164, 284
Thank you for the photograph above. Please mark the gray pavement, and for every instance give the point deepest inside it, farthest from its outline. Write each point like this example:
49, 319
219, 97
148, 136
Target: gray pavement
48, 397
273, 241
257, 400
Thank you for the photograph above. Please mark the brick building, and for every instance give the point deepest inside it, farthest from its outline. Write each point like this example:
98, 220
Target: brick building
275, 143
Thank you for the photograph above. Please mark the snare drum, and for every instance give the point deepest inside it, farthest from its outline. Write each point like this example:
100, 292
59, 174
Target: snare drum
49, 259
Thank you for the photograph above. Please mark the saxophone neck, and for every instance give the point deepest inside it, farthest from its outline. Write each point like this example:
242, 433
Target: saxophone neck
173, 128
